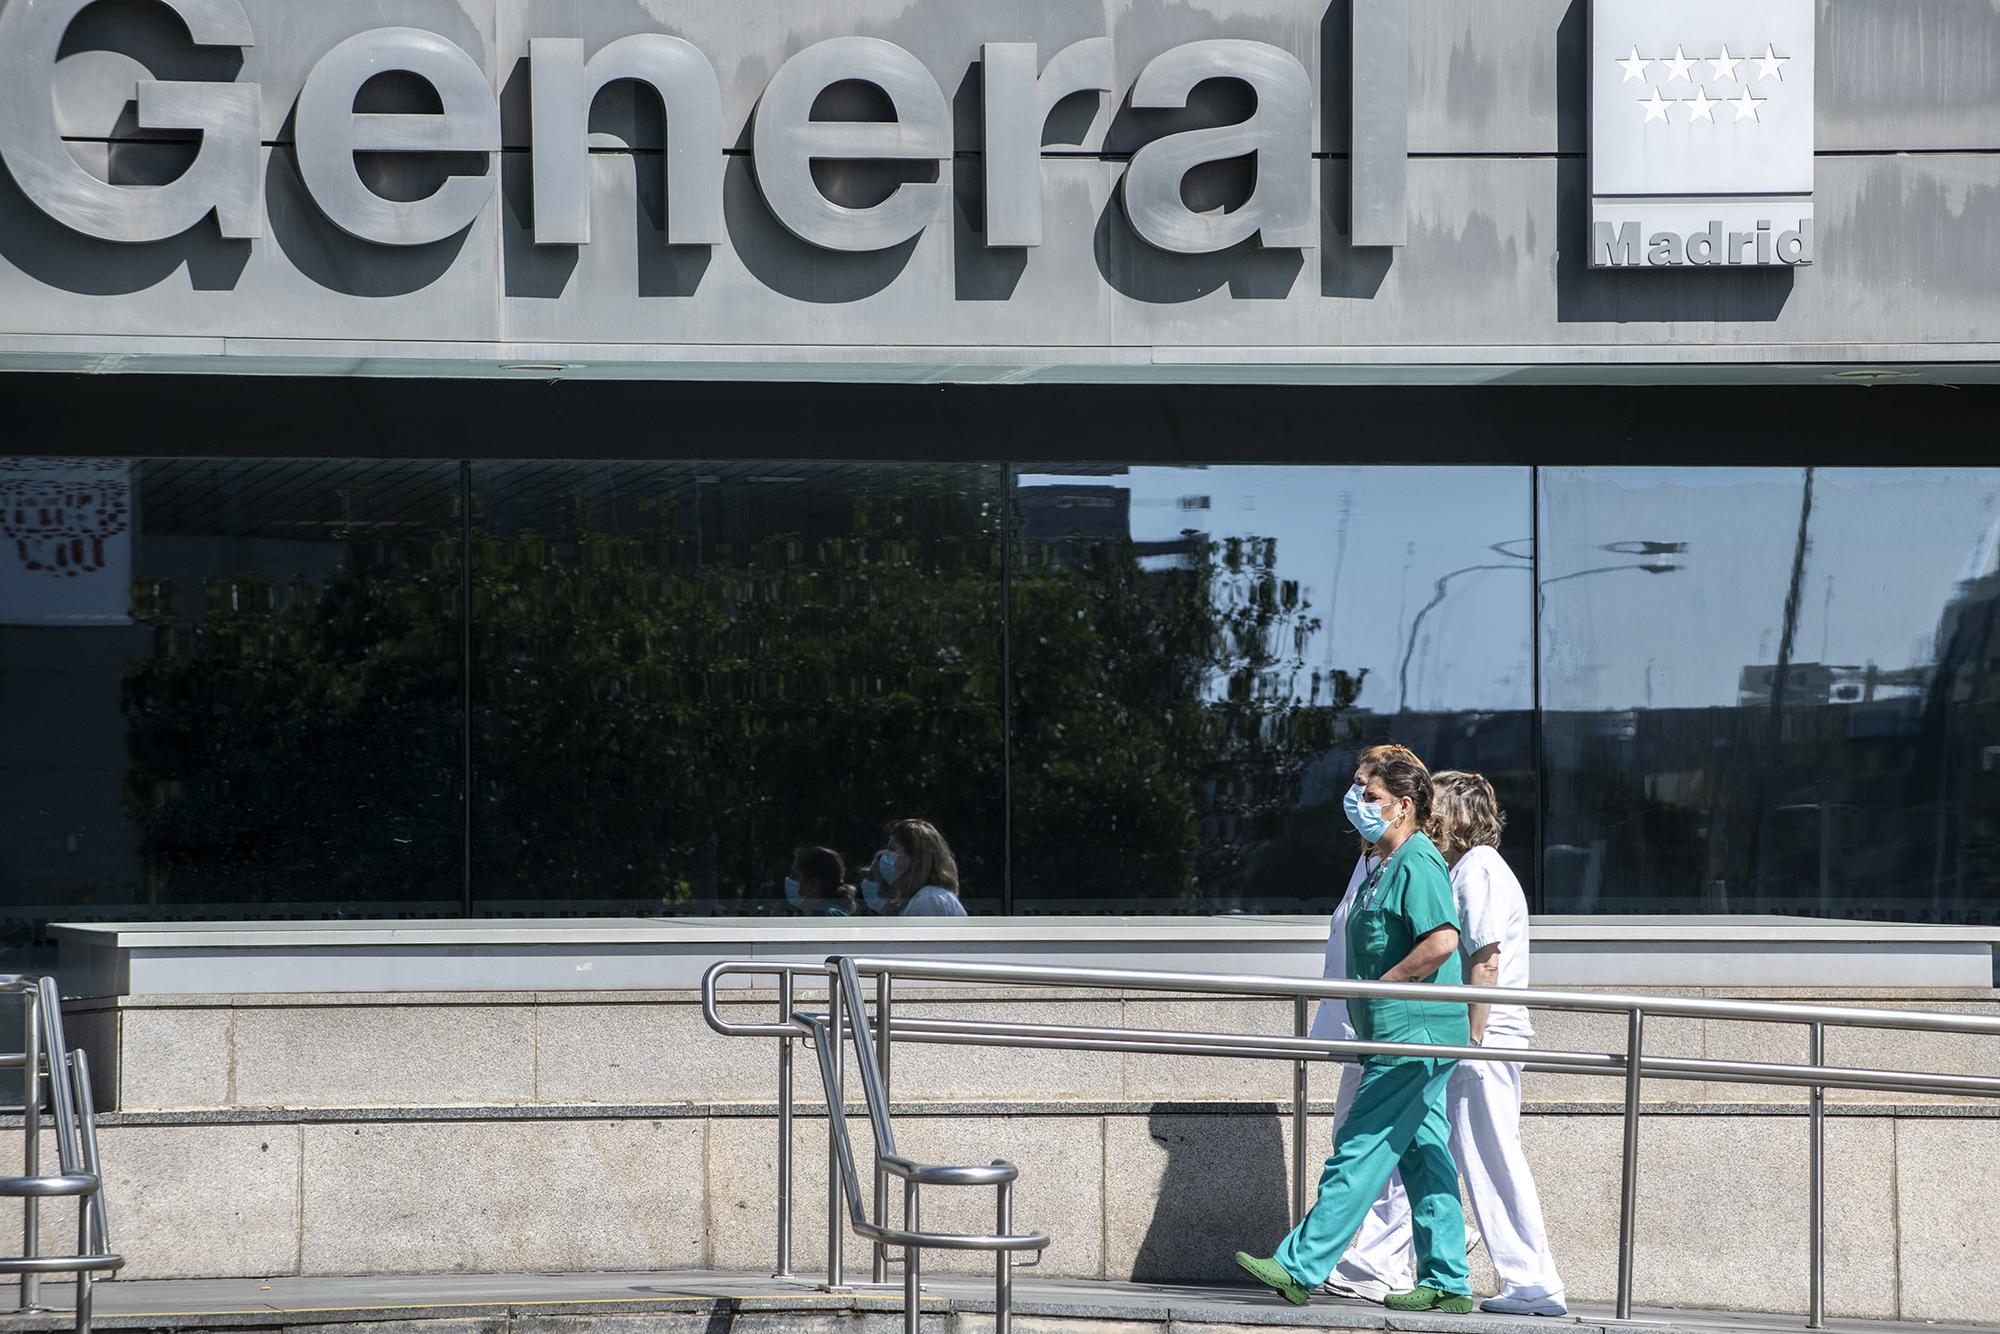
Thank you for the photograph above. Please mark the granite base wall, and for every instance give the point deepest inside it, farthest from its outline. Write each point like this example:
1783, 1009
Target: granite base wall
527, 1132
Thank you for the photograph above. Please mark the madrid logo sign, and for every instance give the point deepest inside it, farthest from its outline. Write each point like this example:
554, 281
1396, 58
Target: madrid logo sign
1701, 133
1700, 116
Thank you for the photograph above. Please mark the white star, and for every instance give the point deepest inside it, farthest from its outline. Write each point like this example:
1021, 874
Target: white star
1657, 108
1770, 65
1725, 64
1634, 67
1746, 106
1679, 66
1703, 107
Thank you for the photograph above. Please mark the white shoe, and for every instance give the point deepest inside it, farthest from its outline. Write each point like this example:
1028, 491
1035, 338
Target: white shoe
1505, 1305
1355, 1289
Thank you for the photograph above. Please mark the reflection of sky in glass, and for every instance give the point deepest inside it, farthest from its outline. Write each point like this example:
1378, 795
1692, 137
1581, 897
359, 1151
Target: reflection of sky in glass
1368, 546
1886, 549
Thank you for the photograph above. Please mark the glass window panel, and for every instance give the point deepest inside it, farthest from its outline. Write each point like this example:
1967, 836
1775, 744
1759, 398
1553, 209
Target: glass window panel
683, 671
1773, 690
1198, 652
230, 689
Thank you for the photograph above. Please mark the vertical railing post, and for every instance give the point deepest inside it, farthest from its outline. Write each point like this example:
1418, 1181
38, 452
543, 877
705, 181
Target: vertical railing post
913, 1284
1003, 1263
84, 1216
31, 1143
1816, 1225
1301, 1027
785, 1052
1628, 1195
883, 1001
836, 1109
97, 1230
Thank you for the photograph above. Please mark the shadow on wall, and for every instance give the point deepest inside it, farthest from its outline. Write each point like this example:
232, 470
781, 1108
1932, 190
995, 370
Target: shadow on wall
1224, 1189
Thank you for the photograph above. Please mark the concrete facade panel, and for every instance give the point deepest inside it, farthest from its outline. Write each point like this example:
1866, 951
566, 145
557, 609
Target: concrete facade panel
371, 1055
1945, 1220
1483, 78
179, 1058
198, 1201
649, 1054
1909, 252
475, 1197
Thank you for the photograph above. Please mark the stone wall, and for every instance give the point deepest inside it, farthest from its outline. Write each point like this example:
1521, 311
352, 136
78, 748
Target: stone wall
518, 1132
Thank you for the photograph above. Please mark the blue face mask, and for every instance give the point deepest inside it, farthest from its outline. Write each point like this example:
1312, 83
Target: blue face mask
1366, 817
793, 894
871, 893
889, 868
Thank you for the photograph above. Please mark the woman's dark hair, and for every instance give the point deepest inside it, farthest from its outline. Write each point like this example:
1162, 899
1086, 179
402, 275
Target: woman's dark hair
826, 869
1404, 775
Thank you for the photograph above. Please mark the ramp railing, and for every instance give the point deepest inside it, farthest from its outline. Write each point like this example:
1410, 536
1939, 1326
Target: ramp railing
57, 1078
842, 978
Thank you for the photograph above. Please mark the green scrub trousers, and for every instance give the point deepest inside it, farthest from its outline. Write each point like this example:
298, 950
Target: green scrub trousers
1397, 1121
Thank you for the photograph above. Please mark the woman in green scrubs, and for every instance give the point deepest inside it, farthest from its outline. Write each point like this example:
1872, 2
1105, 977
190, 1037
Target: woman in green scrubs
1403, 928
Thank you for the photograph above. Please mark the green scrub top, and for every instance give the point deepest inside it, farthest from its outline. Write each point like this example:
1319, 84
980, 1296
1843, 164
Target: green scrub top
1411, 899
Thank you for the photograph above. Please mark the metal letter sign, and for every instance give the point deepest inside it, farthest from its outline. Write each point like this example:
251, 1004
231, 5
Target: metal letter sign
225, 177
1701, 133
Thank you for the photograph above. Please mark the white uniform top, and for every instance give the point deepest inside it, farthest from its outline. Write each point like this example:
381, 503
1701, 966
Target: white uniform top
1331, 1021
1491, 907
933, 901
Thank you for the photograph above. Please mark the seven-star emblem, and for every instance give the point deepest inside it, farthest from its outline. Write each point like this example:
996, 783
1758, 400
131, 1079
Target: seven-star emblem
1702, 107
1770, 65
1634, 66
1725, 64
1679, 66
1746, 106
1657, 108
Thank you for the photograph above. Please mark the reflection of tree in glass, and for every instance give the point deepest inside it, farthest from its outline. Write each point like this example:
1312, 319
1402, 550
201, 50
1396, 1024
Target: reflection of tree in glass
661, 713
1164, 720
300, 744
665, 719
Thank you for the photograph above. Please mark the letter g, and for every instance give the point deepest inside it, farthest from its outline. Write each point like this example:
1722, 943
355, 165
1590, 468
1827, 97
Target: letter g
224, 177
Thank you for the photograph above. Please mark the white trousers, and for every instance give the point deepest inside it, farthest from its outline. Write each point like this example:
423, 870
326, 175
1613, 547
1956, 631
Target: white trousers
1484, 1103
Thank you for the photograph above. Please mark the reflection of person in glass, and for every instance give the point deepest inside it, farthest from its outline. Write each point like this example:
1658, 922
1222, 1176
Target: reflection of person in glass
915, 875
817, 883
1401, 927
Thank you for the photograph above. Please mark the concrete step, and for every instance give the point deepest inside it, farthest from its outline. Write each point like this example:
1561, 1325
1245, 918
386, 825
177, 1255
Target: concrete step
705, 1302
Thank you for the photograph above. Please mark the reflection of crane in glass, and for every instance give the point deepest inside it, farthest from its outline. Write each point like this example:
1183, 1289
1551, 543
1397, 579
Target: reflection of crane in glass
1659, 562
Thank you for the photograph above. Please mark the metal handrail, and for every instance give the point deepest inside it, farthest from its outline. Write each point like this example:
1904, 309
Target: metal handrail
824, 1031
45, 1056
1633, 1065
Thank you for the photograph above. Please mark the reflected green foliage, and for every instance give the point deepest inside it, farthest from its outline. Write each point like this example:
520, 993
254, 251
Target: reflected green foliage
300, 743
658, 719
666, 699
1163, 721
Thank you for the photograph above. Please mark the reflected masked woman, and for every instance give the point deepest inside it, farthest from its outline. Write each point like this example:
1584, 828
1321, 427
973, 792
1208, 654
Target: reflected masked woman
915, 875
1402, 926
816, 884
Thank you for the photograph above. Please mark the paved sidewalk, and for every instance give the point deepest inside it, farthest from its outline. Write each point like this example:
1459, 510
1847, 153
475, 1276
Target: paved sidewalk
285, 1302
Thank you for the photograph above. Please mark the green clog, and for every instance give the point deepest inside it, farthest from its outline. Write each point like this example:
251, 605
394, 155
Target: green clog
1429, 1299
1275, 1277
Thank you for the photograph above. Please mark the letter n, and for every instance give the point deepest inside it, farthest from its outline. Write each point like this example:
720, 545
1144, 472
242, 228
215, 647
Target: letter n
562, 87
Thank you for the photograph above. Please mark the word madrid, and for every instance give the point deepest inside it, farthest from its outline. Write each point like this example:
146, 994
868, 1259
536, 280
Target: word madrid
1019, 91
1620, 247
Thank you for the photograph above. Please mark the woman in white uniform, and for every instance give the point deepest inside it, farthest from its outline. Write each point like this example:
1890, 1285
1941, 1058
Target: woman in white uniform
1484, 1099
